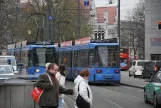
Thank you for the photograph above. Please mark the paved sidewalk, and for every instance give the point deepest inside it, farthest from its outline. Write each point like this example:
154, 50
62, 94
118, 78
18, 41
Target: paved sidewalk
130, 81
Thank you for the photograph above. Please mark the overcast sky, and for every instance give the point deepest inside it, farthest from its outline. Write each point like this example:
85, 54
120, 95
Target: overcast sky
125, 5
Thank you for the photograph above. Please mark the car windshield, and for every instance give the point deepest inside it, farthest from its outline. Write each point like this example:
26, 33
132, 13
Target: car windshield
141, 63
4, 60
5, 69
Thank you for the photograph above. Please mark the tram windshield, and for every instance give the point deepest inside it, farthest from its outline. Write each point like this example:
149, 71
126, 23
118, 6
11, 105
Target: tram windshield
43, 56
107, 56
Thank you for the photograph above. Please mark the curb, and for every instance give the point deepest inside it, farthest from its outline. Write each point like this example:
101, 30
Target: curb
132, 86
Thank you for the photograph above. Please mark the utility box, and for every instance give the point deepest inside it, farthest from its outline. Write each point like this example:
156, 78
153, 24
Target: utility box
16, 94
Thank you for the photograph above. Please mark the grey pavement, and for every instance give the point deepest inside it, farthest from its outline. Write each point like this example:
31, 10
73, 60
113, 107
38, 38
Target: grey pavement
130, 81
113, 96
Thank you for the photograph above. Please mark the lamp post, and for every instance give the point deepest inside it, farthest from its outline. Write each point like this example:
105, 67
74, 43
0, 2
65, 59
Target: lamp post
78, 19
119, 23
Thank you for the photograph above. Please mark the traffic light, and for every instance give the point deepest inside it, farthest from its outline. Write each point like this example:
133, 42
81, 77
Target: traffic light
95, 35
159, 25
99, 35
103, 35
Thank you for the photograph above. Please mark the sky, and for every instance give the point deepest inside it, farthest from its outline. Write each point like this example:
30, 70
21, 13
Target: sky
125, 5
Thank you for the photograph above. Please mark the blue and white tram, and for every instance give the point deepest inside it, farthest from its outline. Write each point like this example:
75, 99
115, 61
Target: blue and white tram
100, 58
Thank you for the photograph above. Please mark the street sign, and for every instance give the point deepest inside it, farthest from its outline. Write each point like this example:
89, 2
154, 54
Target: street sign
86, 2
50, 17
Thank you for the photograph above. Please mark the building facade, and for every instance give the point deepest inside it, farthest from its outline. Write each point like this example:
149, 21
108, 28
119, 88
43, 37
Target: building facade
152, 34
107, 21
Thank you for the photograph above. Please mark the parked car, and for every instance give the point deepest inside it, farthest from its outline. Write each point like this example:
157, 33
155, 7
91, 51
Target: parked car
12, 60
7, 70
150, 68
152, 90
137, 67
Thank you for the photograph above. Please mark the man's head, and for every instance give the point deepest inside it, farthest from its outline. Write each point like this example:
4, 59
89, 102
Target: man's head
53, 68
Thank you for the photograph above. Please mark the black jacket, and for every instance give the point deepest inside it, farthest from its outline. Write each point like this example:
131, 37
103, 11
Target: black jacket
51, 92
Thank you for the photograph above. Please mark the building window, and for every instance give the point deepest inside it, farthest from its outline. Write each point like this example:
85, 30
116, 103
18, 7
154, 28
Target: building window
155, 56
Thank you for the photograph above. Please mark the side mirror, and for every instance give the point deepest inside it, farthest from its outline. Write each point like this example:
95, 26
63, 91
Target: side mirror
147, 80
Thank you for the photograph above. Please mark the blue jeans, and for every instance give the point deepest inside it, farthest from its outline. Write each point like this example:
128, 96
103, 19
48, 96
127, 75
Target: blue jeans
60, 102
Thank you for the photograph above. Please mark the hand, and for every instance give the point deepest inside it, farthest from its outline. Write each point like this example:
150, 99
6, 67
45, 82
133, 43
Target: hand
70, 91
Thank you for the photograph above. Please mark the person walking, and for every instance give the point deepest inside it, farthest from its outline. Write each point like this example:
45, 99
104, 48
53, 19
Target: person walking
51, 87
61, 76
82, 90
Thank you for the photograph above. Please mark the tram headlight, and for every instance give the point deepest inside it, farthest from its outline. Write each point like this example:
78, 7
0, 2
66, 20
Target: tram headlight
37, 70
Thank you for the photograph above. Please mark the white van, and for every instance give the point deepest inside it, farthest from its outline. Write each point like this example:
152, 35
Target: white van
4, 60
137, 67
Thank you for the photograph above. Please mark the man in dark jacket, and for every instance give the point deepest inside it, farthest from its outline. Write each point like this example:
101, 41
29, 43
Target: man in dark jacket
50, 95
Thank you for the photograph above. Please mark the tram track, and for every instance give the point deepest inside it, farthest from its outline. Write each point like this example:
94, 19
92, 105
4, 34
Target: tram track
122, 92
105, 99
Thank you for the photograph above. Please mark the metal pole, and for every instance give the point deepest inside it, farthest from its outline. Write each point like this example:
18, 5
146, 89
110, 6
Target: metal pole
78, 30
119, 29
49, 14
48, 19
119, 23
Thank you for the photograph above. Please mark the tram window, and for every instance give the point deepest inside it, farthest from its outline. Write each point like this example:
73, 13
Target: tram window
75, 59
91, 57
60, 57
69, 58
66, 58
106, 56
86, 63
29, 58
80, 59
24, 57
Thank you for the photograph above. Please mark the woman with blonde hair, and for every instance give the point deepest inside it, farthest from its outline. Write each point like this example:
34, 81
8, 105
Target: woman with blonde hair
47, 65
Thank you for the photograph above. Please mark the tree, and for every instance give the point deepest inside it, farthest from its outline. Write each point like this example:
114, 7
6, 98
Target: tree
64, 21
133, 29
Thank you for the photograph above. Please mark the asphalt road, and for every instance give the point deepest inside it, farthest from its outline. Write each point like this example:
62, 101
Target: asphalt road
112, 96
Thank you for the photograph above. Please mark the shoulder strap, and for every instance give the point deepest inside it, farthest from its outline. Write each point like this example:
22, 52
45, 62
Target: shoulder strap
78, 86
87, 89
88, 92
50, 79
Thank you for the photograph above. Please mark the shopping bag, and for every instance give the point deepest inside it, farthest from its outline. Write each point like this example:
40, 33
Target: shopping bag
36, 93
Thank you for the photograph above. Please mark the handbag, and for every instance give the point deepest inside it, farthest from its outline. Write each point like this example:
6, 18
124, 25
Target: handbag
80, 102
37, 92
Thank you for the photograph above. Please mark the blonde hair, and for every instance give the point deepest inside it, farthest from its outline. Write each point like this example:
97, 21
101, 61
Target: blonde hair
47, 65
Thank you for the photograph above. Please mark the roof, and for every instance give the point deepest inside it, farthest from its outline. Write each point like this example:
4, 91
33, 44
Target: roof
7, 56
111, 14
5, 65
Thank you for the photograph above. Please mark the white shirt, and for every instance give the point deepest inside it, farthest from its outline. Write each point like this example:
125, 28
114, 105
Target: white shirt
61, 80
